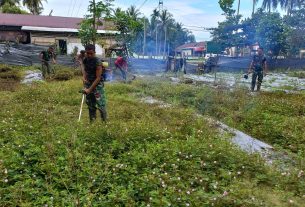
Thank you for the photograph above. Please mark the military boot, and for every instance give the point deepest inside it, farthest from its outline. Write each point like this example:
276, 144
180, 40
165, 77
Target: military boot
103, 114
92, 115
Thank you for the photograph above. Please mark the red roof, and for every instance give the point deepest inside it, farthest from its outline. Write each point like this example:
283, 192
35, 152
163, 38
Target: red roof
197, 46
39, 21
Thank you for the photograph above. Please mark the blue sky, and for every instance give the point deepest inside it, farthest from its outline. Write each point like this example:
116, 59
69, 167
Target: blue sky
204, 13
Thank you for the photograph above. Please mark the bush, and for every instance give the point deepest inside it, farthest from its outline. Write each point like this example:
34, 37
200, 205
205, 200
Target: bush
5, 69
298, 74
7, 73
64, 74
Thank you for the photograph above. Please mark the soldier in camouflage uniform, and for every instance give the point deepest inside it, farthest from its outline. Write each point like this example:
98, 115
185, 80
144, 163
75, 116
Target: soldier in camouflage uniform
259, 68
46, 57
92, 69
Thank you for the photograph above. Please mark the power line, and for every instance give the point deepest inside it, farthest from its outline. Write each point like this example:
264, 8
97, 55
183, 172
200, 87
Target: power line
70, 4
73, 7
145, 1
80, 5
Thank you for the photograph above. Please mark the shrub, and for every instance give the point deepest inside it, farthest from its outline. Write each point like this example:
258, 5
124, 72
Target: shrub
64, 74
7, 73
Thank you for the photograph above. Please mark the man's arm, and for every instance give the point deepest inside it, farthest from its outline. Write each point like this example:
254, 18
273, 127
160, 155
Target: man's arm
54, 58
99, 71
83, 72
266, 69
41, 57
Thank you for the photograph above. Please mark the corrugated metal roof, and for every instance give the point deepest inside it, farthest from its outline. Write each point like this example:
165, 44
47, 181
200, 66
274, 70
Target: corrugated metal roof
49, 29
192, 45
40, 21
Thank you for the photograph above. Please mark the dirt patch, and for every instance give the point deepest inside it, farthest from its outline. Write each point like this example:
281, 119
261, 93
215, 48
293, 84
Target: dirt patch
8, 84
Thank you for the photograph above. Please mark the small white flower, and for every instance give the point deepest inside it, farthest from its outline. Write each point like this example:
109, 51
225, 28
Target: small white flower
215, 162
291, 201
5, 171
238, 173
179, 178
187, 204
188, 192
5, 180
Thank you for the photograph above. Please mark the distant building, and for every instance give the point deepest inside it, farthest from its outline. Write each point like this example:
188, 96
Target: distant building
197, 49
49, 30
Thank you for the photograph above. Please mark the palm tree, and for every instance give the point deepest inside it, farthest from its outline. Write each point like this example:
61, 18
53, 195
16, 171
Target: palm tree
35, 6
166, 18
289, 5
133, 12
155, 22
271, 4
253, 6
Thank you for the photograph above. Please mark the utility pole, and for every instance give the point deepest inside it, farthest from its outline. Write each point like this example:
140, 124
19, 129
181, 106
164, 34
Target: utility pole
238, 7
165, 39
161, 5
144, 43
156, 41
94, 22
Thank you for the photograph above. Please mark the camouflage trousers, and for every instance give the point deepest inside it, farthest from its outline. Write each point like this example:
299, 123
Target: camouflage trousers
96, 100
259, 76
47, 69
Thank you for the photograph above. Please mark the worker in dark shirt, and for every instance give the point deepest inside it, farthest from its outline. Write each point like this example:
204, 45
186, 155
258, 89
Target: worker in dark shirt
46, 57
259, 68
92, 69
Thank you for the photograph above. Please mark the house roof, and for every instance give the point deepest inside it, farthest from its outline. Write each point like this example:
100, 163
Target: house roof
40, 21
197, 46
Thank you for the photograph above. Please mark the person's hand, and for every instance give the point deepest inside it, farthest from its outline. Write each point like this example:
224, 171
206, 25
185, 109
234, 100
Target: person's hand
87, 91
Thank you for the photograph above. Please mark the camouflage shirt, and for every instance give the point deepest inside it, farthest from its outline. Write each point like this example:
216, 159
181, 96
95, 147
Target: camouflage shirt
259, 62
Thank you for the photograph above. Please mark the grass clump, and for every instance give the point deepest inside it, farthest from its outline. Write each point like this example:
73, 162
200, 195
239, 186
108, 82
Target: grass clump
274, 117
64, 74
144, 156
298, 74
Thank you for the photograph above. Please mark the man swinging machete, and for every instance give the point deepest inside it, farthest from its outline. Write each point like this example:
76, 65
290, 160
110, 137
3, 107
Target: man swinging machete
92, 69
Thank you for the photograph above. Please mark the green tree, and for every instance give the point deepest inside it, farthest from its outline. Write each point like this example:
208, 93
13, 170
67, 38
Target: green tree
9, 2
227, 6
34, 6
228, 33
98, 12
12, 9
296, 37
272, 34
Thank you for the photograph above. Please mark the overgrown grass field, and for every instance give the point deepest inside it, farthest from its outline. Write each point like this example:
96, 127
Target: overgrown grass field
145, 155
